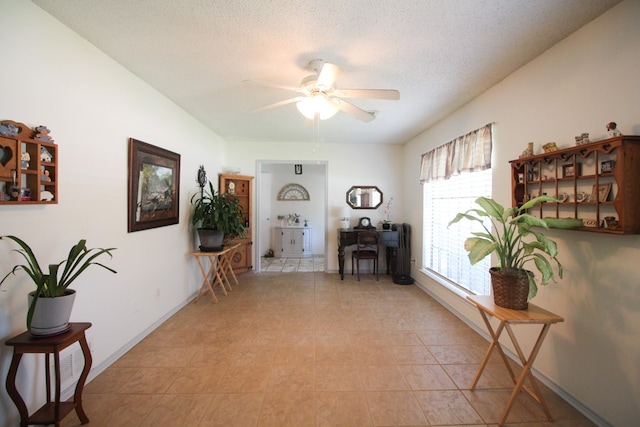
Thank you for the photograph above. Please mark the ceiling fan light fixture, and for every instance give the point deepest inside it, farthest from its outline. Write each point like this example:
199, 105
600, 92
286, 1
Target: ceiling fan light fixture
318, 104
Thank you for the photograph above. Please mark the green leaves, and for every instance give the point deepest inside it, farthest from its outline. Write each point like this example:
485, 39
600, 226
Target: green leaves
510, 227
50, 285
479, 248
218, 211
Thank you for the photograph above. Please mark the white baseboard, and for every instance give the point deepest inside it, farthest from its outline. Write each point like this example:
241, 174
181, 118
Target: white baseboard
570, 399
98, 369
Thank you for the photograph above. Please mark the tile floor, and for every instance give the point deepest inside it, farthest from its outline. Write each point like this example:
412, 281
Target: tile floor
307, 349
289, 265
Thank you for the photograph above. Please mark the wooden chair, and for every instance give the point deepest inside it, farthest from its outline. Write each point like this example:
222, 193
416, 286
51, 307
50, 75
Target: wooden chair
367, 249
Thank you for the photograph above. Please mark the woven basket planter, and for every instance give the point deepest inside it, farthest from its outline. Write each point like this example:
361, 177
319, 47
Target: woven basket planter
510, 288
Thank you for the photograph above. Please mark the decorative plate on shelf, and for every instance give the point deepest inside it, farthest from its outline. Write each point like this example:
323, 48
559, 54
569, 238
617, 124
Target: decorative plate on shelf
582, 197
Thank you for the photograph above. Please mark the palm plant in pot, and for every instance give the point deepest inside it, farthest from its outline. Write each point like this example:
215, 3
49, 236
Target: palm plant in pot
514, 285
218, 216
51, 303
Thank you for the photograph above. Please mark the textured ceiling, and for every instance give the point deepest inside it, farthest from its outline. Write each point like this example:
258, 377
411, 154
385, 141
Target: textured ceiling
439, 54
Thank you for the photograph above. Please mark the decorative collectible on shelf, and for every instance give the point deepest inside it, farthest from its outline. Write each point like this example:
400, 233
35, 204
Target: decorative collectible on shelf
528, 151
583, 139
42, 134
612, 129
8, 129
45, 155
25, 158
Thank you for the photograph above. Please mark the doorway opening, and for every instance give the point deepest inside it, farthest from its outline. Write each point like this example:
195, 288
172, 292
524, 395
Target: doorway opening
271, 177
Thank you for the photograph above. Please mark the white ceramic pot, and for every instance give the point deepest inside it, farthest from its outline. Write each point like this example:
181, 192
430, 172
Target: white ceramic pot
51, 315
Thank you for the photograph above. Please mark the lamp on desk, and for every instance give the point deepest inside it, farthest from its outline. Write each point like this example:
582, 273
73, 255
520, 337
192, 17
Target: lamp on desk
345, 219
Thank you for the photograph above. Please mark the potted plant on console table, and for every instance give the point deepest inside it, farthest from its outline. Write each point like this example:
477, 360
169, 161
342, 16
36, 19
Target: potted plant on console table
51, 303
513, 285
218, 216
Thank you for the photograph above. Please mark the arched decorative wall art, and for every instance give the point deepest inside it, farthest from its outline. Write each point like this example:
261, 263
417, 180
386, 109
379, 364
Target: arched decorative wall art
293, 192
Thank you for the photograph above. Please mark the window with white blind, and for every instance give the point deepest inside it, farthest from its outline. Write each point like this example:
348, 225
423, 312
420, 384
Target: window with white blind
443, 248
454, 175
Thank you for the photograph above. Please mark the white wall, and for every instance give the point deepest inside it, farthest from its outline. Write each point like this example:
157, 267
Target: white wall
584, 82
92, 105
348, 165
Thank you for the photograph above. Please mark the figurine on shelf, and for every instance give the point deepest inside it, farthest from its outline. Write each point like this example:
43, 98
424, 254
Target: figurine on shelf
25, 157
612, 129
8, 130
45, 155
42, 134
46, 196
550, 147
528, 151
610, 222
45, 176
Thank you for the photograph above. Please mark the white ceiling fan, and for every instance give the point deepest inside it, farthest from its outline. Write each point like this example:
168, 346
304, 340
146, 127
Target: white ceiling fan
320, 98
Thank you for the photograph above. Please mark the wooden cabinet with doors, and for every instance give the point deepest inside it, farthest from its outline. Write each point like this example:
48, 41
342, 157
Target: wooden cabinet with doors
241, 187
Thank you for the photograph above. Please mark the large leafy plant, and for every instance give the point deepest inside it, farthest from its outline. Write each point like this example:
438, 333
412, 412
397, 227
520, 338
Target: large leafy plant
506, 237
60, 276
218, 211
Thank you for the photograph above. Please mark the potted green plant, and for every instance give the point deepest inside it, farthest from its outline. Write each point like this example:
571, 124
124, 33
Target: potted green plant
514, 285
51, 303
218, 216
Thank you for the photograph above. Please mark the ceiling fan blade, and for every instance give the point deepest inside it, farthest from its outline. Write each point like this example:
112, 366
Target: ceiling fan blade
357, 112
390, 94
328, 74
275, 85
278, 104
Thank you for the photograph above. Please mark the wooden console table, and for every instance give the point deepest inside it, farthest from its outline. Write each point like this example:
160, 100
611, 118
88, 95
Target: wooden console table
52, 411
534, 316
218, 272
388, 238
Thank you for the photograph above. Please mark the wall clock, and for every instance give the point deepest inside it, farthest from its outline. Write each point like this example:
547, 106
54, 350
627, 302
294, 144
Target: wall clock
293, 192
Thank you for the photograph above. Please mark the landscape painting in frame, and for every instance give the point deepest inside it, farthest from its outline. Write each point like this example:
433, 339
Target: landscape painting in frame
154, 186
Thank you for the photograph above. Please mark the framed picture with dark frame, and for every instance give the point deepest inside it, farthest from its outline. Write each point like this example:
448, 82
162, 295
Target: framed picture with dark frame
607, 166
570, 170
600, 192
154, 186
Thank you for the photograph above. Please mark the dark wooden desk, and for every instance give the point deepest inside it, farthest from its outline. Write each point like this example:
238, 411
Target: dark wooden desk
388, 238
533, 316
52, 411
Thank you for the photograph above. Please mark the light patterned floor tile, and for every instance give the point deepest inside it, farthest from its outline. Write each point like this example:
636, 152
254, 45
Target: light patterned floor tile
309, 349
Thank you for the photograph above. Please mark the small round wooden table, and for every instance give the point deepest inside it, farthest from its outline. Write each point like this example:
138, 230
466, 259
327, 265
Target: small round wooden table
53, 410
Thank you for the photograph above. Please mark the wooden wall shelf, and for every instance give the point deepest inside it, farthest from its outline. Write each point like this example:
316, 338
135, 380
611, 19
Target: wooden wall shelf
32, 181
598, 182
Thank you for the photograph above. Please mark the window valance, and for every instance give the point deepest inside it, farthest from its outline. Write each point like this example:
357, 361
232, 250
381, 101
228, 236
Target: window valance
467, 153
